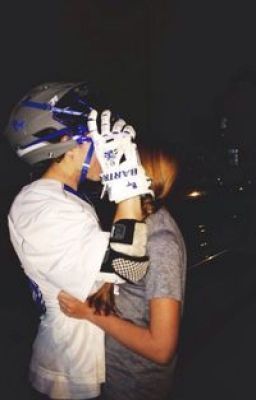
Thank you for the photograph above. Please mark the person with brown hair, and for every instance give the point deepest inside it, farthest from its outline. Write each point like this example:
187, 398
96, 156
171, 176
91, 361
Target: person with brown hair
142, 335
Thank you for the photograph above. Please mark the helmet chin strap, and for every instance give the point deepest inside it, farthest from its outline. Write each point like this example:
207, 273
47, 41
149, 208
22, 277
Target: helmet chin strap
86, 163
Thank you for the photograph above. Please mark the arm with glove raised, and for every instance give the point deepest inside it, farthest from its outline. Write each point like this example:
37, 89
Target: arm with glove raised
124, 180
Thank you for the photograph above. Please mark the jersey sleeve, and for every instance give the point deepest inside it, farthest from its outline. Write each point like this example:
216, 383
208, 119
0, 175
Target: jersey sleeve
63, 244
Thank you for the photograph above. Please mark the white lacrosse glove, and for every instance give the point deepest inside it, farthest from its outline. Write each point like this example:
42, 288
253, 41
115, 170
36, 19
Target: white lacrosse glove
122, 175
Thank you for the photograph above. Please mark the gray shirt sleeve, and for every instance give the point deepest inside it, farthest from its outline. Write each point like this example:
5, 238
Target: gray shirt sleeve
167, 254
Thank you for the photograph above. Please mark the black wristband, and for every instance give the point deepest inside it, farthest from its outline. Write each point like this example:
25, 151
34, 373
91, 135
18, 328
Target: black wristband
123, 230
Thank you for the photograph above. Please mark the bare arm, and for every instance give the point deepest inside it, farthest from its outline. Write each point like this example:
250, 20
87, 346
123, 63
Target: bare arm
157, 342
130, 209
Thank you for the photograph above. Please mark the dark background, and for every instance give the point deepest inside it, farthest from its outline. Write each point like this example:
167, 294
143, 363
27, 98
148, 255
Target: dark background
164, 65
161, 60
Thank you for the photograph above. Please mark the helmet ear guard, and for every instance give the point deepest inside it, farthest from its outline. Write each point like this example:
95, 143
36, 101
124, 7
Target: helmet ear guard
45, 152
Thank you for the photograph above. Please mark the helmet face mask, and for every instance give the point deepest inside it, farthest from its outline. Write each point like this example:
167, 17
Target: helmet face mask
43, 116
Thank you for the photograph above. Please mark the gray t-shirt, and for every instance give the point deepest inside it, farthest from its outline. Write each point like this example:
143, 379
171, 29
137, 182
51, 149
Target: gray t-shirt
129, 375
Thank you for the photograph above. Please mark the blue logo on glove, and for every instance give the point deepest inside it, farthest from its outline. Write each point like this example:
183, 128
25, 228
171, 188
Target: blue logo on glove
133, 184
110, 155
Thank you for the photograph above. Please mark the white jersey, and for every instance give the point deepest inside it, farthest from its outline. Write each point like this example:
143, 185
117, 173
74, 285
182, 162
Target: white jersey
61, 246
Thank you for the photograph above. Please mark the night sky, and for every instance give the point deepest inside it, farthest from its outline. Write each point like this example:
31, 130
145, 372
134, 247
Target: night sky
161, 62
